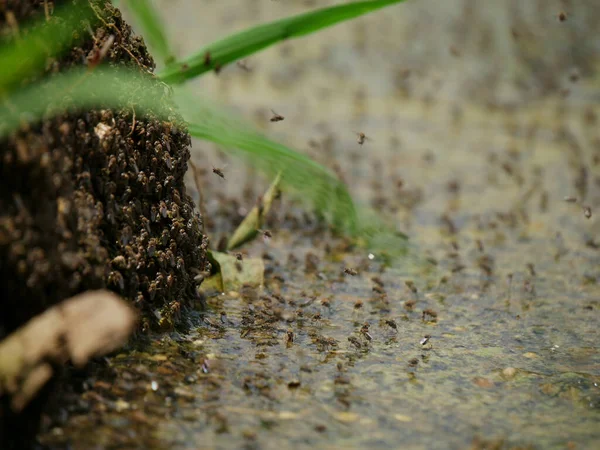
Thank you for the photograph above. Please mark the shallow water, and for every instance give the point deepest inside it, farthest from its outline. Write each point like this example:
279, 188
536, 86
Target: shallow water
513, 354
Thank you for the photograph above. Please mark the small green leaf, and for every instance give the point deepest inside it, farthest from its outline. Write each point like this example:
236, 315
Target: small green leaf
248, 229
146, 16
79, 88
250, 41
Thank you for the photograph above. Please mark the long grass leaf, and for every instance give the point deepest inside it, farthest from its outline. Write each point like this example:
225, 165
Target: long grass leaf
79, 88
121, 88
242, 44
300, 174
27, 56
147, 18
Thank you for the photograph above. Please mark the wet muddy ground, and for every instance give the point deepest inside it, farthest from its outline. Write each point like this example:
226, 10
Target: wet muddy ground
502, 273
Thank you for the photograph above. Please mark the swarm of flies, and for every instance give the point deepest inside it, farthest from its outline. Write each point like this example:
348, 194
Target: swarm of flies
225, 320
392, 324
361, 137
426, 340
364, 330
289, 338
378, 281
587, 211
242, 64
355, 342
411, 285
276, 117
218, 172
430, 315
378, 289
350, 271
266, 234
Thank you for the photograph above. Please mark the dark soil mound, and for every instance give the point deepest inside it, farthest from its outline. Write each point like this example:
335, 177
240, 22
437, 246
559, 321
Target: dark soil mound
96, 199
93, 199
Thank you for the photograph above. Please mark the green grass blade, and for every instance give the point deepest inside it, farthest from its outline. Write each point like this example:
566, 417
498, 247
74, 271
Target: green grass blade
151, 28
379, 236
27, 56
257, 38
79, 88
300, 174
121, 88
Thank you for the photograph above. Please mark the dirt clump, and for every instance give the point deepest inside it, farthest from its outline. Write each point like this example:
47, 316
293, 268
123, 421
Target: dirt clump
96, 199
93, 199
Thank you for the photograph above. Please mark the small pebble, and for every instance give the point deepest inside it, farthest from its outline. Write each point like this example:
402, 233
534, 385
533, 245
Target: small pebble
509, 372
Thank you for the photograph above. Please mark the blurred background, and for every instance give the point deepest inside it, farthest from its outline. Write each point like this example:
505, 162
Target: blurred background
485, 88
505, 51
481, 117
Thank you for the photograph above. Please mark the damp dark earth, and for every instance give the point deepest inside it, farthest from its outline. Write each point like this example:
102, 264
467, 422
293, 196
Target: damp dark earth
484, 334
